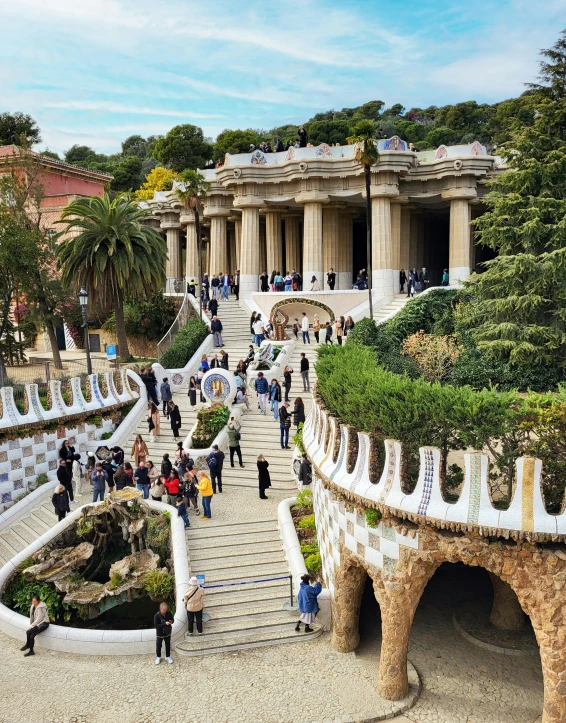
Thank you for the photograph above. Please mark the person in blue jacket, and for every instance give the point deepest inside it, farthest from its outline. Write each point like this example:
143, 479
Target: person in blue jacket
308, 603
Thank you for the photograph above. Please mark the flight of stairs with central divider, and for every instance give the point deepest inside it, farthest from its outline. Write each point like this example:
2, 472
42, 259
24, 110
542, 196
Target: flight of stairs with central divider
390, 307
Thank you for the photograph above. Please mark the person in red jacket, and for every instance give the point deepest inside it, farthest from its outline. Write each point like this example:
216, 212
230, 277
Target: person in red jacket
172, 485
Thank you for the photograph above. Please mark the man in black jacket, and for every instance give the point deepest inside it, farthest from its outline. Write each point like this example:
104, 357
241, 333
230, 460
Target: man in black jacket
64, 477
284, 425
215, 462
163, 622
305, 373
213, 306
216, 329
331, 279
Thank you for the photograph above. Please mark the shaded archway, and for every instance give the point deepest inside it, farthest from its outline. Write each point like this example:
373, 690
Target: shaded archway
295, 305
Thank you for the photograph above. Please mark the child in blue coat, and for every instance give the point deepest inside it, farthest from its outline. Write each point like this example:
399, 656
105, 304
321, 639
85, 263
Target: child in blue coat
308, 603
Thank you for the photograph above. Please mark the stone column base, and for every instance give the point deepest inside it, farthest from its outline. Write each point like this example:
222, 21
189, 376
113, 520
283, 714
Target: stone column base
382, 284
458, 274
344, 280
249, 284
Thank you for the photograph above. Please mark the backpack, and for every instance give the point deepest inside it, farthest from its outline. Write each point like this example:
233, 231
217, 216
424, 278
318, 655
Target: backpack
212, 462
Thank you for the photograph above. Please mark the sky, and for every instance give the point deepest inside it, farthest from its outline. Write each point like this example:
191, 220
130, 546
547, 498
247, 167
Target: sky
96, 71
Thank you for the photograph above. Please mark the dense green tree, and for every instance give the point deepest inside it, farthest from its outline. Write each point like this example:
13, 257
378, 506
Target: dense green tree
184, 147
134, 146
18, 129
77, 153
335, 131
518, 305
106, 247
127, 174
237, 141
442, 136
50, 154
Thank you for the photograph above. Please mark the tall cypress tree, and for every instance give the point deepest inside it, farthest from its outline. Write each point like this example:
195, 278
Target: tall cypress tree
518, 306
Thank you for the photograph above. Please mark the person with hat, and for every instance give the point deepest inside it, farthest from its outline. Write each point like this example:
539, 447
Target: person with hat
194, 602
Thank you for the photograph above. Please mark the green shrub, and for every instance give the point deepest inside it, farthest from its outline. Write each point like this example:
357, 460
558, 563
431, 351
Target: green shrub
18, 593
115, 580
106, 435
307, 523
313, 564
210, 422
41, 479
373, 517
146, 317
309, 548
157, 536
298, 438
187, 341
304, 500
159, 585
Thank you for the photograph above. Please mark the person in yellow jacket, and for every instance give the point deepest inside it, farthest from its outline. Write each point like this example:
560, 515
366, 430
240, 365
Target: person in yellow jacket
204, 486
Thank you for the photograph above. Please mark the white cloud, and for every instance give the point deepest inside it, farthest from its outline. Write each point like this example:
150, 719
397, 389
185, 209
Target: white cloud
109, 107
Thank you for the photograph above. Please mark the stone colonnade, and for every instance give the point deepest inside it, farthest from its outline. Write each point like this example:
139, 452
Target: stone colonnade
315, 237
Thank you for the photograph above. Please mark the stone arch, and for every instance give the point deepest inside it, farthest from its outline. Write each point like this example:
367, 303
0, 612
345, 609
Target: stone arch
292, 300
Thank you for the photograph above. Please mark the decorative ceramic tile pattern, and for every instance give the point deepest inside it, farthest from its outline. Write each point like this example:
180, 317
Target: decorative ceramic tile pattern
38, 438
8, 404
14, 444
27, 451
390, 475
111, 386
35, 403
4, 477
78, 398
389, 565
52, 465
6, 497
3, 456
16, 463
96, 390
388, 533
475, 489
528, 524
360, 549
19, 484
50, 446
341, 453
373, 541
349, 527
362, 462
428, 479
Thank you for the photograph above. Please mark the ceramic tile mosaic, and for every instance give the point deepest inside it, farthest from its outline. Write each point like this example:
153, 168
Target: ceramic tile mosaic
52, 465
389, 565
428, 482
51, 446
40, 458
475, 489
373, 541
27, 451
6, 497
38, 438
388, 533
16, 464
5, 477
350, 527
19, 484
3, 456
14, 444
29, 471
528, 522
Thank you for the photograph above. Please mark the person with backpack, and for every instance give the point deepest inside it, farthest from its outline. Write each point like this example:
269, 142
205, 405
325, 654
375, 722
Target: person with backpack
194, 603
166, 395
166, 465
308, 603
234, 438
190, 491
215, 461
284, 425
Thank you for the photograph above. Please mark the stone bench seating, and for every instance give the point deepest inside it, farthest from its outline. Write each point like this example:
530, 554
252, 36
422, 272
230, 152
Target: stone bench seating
11, 416
526, 517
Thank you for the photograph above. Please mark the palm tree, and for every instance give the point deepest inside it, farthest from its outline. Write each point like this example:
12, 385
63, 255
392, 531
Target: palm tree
106, 248
363, 136
192, 194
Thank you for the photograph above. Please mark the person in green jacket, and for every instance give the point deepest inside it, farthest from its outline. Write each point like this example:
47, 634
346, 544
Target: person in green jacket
234, 428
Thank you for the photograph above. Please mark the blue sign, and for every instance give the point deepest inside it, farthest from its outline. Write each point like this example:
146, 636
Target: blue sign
200, 579
111, 351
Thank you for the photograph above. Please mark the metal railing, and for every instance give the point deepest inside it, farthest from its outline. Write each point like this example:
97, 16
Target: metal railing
175, 287
180, 321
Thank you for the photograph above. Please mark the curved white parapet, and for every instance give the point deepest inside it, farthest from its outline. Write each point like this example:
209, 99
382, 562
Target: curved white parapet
278, 366
100, 642
221, 438
526, 517
219, 386
180, 377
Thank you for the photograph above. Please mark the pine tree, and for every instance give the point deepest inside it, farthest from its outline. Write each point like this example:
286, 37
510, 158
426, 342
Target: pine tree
518, 306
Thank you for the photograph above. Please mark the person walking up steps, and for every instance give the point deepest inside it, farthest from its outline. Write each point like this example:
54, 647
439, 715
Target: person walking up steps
234, 438
274, 397
166, 395
287, 381
328, 339
305, 372
264, 479
194, 603
262, 388
204, 486
305, 328
308, 603
163, 622
175, 419
284, 425
216, 329
215, 461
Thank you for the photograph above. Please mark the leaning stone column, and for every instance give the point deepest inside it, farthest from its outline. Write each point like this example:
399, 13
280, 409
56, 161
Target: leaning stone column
218, 245
313, 259
506, 613
274, 241
292, 243
344, 277
249, 252
174, 267
330, 242
191, 256
349, 585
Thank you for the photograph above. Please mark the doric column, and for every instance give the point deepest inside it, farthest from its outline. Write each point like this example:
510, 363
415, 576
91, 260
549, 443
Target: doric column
344, 277
262, 252
218, 245
396, 243
232, 257
292, 243
404, 238
174, 267
237, 238
382, 240
330, 242
460, 233
313, 259
274, 241
249, 252
191, 255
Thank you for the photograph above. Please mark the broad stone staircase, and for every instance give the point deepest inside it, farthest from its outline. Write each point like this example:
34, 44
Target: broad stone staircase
393, 306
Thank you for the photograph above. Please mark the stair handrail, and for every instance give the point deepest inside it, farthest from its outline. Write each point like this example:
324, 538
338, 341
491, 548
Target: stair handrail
180, 321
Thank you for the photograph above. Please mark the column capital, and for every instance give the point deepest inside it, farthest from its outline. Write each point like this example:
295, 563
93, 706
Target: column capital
168, 225
170, 220
464, 193
273, 209
187, 217
311, 197
249, 201
384, 190
212, 211
401, 199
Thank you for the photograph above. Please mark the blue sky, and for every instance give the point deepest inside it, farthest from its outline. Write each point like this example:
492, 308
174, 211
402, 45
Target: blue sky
95, 71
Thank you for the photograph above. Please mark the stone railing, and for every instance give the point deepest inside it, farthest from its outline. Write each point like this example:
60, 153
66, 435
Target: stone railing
36, 414
335, 448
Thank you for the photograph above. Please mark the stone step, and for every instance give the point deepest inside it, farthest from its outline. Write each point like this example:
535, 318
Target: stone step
7, 550
277, 634
13, 540
248, 550
252, 593
245, 623
232, 609
237, 528
277, 486
229, 540
236, 562
260, 571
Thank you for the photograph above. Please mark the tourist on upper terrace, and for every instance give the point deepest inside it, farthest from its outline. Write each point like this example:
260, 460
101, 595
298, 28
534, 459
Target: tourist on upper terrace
339, 329
140, 451
299, 412
264, 282
60, 502
234, 438
445, 278
215, 286
305, 372
287, 380
288, 282
308, 603
285, 425
305, 328
194, 603
191, 288
262, 388
314, 284
349, 325
204, 486
264, 478
216, 329
328, 334
237, 284
225, 285
65, 478
272, 280
303, 137
166, 395
331, 279
402, 280
412, 281
66, 453
274, 397
279, 148
175, 419
278, 282
297, 280
98, 478
424, 279
163, 623
38, 622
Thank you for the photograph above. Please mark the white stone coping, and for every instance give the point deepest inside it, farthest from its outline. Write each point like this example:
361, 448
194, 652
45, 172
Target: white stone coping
100, 642
23, 505
124, 430
295, 559
221, 438
186, 372
277, 368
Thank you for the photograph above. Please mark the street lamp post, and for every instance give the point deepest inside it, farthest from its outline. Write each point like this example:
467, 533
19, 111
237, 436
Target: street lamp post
83, 301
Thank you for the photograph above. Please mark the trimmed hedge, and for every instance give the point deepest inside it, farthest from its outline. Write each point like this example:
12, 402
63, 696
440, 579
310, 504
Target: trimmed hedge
187, 341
